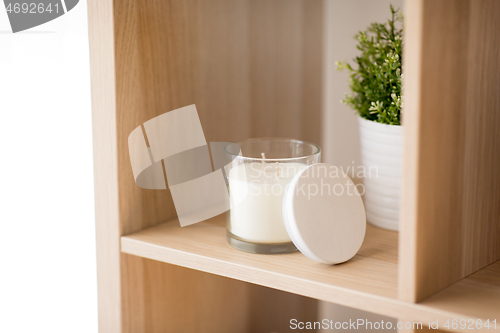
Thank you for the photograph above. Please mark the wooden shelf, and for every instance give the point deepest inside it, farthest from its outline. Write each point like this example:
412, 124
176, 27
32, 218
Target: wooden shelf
266, 68
367, 282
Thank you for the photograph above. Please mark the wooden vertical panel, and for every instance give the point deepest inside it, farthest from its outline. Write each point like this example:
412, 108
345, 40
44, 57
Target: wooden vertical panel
312, 71
481, 200
338, 313
285, 40
170, 298
433, 120
150, 57
275, 41
102, 74
450, 191
140, 72
412, 90
222, 75
272, 310
170, 54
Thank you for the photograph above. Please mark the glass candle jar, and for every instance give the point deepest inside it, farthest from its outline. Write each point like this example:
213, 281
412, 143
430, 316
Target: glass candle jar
258, 173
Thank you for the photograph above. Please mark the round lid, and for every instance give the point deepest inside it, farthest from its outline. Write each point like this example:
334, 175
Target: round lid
324, 214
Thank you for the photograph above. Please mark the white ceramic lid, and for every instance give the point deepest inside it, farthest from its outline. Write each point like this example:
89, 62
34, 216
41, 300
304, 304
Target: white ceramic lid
324, 214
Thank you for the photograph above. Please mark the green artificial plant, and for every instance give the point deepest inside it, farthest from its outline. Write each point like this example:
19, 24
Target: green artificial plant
376, 81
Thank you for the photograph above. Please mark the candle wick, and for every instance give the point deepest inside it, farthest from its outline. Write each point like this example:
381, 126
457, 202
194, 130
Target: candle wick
263, 157
278, 169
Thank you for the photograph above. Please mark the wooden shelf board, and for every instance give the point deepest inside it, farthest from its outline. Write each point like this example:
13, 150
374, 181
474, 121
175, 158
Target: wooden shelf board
367, 282
476, 296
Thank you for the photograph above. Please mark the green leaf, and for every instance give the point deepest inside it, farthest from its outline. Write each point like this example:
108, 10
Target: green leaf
376, 82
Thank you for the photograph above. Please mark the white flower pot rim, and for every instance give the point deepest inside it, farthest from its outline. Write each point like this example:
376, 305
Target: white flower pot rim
374, 124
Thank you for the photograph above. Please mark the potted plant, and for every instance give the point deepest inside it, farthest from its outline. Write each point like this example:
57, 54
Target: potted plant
376, 82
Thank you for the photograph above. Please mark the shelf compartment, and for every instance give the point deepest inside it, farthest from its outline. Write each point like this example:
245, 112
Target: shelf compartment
367, 282
203, 246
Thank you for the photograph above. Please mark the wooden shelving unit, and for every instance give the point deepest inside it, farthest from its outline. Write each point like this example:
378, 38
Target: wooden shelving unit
368, 282
255, 68
372, 274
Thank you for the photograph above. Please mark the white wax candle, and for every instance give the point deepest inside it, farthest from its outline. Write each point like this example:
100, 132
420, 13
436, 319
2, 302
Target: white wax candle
256, 195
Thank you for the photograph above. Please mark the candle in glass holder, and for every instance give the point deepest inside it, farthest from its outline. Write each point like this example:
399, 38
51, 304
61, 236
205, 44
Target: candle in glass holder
258, 216
257, 178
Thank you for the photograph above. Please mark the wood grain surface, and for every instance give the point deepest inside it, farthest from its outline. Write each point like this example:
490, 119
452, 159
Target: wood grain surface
366, 282
203, 246
253, 68
451, 188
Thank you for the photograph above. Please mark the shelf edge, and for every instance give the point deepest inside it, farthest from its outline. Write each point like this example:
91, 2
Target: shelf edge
330, 293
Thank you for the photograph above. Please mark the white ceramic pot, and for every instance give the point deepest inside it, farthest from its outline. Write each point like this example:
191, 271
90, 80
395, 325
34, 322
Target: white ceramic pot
381, 154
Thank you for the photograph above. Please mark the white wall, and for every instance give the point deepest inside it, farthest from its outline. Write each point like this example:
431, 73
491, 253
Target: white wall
343, 19
47, 241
